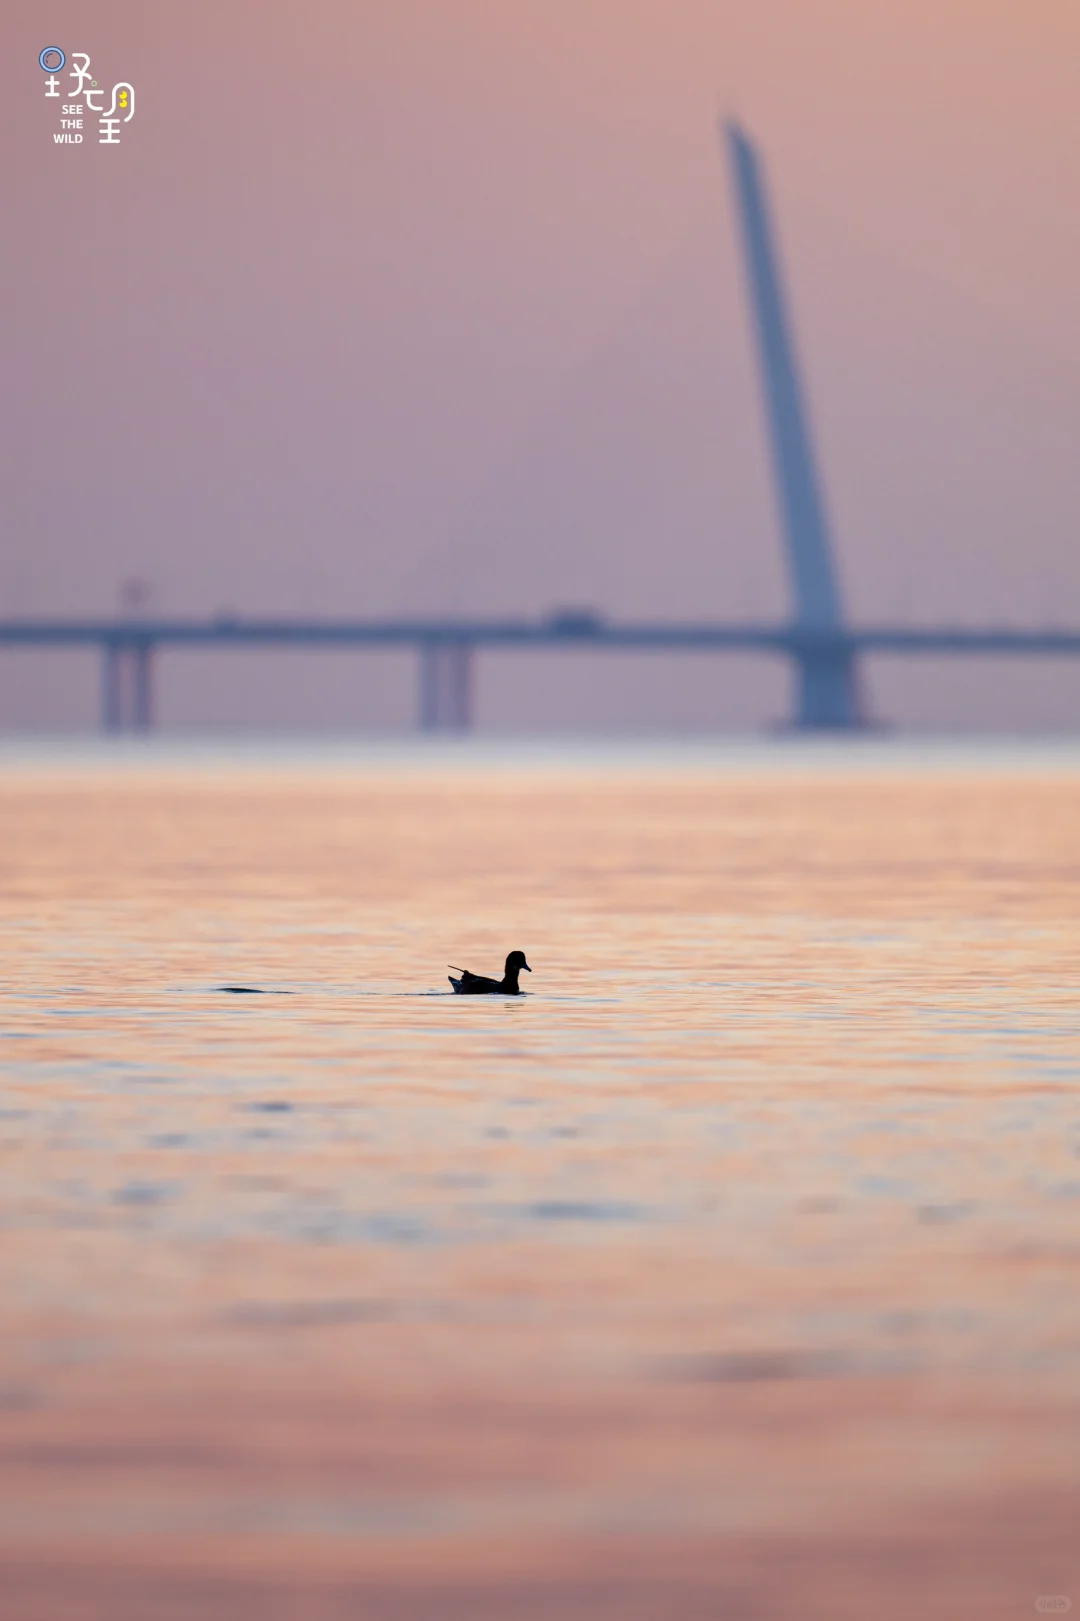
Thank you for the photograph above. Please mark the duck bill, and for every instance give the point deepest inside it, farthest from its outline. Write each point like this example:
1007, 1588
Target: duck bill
526, 967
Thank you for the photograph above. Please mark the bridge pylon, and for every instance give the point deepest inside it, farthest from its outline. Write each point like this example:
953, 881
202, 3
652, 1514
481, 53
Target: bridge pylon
827, 687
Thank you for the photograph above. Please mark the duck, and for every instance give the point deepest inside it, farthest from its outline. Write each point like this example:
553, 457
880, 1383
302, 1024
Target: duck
477, 985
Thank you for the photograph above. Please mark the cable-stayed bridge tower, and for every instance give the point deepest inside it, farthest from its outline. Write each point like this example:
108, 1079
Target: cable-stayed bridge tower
827, 685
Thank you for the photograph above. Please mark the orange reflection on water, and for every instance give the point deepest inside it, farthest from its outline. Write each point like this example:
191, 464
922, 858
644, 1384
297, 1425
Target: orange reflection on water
730, 1272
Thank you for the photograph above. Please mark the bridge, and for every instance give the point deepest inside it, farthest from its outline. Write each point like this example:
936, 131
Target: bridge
446, 648
821, 646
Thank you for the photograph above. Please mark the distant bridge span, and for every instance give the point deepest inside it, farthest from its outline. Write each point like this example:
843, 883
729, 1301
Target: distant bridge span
819, 643
446, 647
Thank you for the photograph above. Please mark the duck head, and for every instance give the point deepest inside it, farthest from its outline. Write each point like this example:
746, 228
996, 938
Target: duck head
515, 963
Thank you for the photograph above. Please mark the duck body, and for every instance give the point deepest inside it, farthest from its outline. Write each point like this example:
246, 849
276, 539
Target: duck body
477, 985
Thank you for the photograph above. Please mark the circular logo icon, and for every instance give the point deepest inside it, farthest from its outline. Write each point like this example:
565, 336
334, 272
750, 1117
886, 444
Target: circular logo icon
52, 59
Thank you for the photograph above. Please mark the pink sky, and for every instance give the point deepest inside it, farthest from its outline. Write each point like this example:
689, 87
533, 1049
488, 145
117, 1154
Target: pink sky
436, 305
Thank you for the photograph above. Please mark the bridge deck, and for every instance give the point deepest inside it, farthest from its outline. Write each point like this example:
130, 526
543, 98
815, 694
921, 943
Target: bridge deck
790, 639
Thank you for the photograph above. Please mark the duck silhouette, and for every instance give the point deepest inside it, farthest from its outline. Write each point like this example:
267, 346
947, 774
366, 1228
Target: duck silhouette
477, 985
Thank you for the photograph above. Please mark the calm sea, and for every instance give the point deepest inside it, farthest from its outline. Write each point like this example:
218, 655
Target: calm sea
733, 1271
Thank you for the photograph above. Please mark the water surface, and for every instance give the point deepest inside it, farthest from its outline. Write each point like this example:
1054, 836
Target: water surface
731, 1271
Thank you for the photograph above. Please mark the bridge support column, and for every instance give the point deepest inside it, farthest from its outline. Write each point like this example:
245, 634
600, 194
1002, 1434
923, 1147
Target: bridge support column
826, 689
445, 686
127, 686
142, 680
112, 688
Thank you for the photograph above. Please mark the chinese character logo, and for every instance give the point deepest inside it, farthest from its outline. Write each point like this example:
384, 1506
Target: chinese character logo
123, 98
83, 95
80, 74
52, 61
